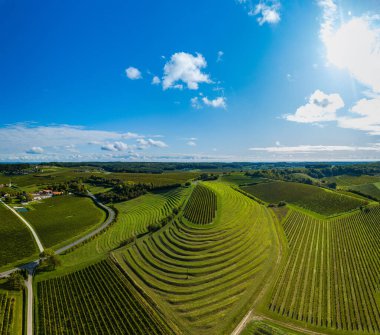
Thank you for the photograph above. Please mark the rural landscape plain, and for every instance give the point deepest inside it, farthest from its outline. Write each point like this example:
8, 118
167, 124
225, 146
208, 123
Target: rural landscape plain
190, 167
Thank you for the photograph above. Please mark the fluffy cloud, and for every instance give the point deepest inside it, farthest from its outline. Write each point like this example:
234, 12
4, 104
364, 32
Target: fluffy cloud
366, 116
191, 143
321, 107
116, 146
219, 102
185, 68
147, 143
267, 12
133, 73
35, 150
156, 80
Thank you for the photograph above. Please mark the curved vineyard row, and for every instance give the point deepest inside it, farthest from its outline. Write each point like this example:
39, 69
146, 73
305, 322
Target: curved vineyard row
205, 277
332, 274
133, 219
7, 305
201, 206
95, 300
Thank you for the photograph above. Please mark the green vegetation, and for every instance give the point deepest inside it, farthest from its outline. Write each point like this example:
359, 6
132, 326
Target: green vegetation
16, 240
242, 179
263, 328
134, 217
370, 190
201, 207
96, 300
62, 218
310, 197
204, 278
7, 307
332, 273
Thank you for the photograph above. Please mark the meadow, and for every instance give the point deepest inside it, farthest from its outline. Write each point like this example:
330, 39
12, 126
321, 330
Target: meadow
310, 197
16, 240
59, 219
331, 277
206, 276
371, 190
95, 300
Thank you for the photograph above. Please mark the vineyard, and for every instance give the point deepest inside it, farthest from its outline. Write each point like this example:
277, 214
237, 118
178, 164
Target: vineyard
202, 205
332, 274
134, 217
205, 277
16, 240
310, 197
7, 308
96, 300
59, 219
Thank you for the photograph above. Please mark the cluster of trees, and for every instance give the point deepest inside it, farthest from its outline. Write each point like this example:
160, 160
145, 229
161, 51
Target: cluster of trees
208, 176
75, 186
124, 191
17, 169
13, 194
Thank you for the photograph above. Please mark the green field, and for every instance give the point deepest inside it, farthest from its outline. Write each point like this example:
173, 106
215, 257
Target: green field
201, 206
96, 300
372, 190
242, 179
59, 219
7, 313
346, 180
310, 197
133, 219
204, 278
263, 328
16, 241
331, 277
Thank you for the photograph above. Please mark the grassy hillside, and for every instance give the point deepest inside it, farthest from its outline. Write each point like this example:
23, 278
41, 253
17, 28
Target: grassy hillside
371, 190
59, 219
331, 277
206, 277
95, 300
133, 219
310, 197
16, 241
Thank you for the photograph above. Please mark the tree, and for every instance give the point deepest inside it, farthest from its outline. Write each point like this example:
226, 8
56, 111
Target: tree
50, 258
16, 281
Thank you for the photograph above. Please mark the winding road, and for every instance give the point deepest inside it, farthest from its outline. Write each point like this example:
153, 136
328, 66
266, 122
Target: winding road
31, 266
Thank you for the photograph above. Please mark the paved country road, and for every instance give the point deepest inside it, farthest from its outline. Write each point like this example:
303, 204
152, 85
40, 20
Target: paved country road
30, 267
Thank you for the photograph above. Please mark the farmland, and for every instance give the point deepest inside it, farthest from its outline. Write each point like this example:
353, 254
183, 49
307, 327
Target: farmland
60, 219
202, 257
205, 277
310, 197
96, 300
16, 240
7, 309
331, 277
133, 219
201, 206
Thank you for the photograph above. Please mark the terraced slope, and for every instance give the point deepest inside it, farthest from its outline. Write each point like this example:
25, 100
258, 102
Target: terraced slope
133, 219
95, 300
7, 305
332, 275
202, 205
206, 277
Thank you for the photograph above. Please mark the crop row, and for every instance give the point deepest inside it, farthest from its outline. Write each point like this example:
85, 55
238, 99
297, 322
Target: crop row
7, 305
332, 273
96, 300
203, 276
201, 206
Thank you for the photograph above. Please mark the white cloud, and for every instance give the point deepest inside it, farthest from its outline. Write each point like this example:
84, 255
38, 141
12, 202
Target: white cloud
35, 151
219, 56
191, 143
321, 107
366, 116
133, 73
267, 12
219, 102
116, 146
186, 68
147, 143
317, 148
130, 135
195, 103
156, 80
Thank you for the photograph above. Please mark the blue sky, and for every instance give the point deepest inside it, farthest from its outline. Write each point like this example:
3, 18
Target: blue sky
230, 80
